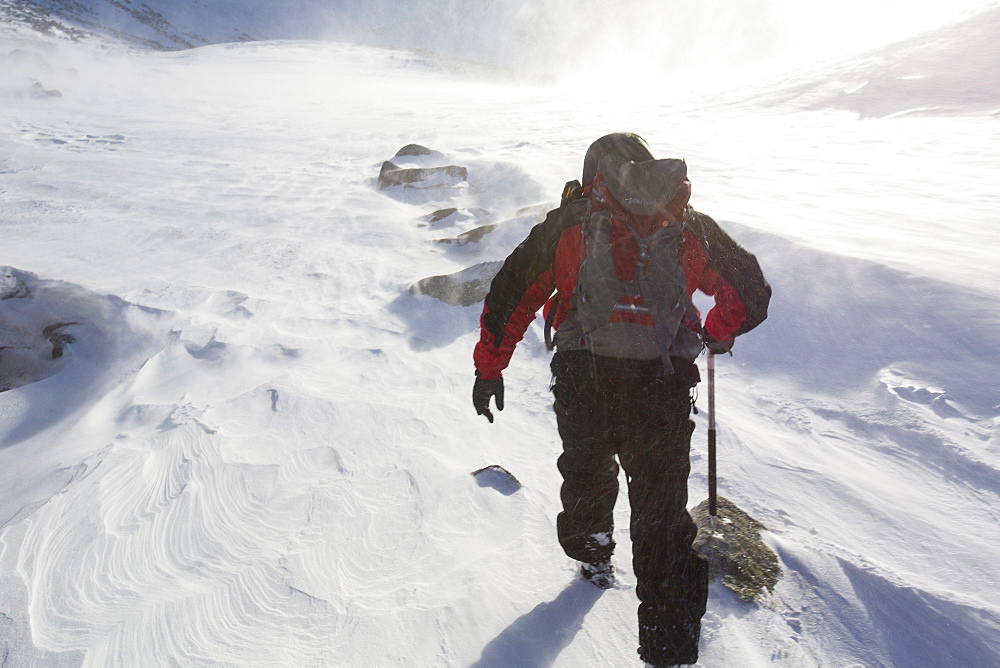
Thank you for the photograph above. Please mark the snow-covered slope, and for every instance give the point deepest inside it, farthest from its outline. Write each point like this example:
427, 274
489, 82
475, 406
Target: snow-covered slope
629, 45
255, 445
951, 70
163, 24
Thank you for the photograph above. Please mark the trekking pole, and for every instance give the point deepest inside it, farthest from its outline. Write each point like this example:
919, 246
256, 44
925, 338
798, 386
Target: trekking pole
713, 499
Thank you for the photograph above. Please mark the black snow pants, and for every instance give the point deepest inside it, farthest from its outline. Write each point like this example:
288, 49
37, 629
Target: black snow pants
606, 408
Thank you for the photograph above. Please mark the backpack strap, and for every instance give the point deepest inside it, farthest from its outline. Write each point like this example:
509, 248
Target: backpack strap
572, 191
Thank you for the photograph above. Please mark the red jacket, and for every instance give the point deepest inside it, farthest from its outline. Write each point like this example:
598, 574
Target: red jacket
549, 260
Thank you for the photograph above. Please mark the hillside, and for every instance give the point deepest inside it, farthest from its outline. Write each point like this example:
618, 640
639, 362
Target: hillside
948, 71
235, 428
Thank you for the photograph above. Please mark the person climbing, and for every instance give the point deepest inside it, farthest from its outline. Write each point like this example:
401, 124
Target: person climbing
623, 253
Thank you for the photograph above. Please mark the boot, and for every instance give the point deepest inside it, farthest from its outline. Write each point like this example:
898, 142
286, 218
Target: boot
669, 644
600, 574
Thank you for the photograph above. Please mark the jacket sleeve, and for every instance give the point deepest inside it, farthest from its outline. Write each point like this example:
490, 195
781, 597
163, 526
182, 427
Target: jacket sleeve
733, 276
519, 289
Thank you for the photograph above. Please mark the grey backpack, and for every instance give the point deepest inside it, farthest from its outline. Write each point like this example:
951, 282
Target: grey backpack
658, 284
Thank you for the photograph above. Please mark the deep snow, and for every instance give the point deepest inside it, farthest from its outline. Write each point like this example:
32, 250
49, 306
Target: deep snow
256, 448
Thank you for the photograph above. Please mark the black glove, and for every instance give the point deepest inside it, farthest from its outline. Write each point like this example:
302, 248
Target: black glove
482, 391
718, 347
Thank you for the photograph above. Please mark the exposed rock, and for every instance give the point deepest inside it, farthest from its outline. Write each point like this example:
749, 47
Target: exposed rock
39, 18
735, 551
413, 149
58, 338
12, 287
472, 236
462, 288
392, 174
440, 214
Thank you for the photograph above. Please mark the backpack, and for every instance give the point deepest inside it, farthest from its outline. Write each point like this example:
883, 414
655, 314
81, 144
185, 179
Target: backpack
639, 317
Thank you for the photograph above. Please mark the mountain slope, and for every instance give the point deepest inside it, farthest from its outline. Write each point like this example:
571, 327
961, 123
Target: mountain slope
154, 24
256, 448
951, 70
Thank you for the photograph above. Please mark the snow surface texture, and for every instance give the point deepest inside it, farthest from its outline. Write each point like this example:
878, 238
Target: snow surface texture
255, 445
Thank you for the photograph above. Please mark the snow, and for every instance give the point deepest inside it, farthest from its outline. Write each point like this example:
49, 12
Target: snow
256, 445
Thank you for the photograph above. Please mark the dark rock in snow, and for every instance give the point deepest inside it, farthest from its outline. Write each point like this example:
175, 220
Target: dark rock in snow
392, 174
413, 149
735, 551
45, 20
472, 236
32, 346
462, 288
12, 287
58, 338
440, 214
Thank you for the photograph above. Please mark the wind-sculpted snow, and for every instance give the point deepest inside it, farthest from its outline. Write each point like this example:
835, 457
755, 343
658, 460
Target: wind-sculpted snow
62, 344
236, 525
164, 530
255, 446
